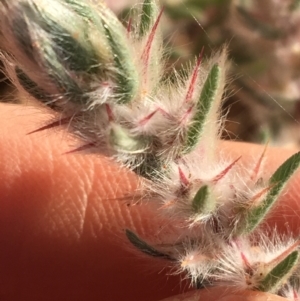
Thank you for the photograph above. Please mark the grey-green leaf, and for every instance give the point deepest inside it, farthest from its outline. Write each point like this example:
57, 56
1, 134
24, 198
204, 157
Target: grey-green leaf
82, 9
205, 103
278, 182
202, 202
75, 52
279, 274
144, 247
148, 15
31, 87
127, 76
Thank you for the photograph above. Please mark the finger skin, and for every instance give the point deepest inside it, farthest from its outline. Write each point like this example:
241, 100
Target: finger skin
62, 219
224, 294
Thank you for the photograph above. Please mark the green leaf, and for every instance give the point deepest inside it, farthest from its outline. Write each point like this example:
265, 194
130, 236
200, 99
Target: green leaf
126, 75
81, 9
31, 87
202, 202
204, 105
144, 247
265, 30
284, 172
66, 85
148, 15
279, 274
76, 53
278, 182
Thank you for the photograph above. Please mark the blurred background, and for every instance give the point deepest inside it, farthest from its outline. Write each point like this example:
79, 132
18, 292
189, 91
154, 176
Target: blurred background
263, 38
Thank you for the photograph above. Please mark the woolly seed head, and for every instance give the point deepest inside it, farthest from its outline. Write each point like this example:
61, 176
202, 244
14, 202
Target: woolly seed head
106, 82
250, 263
199, 259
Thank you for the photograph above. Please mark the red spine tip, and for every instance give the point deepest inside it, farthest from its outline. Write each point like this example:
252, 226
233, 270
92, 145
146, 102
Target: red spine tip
109, 113
51, 125
147, 118
81, 148
225, 171
183, 179
194, 77
146, 52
